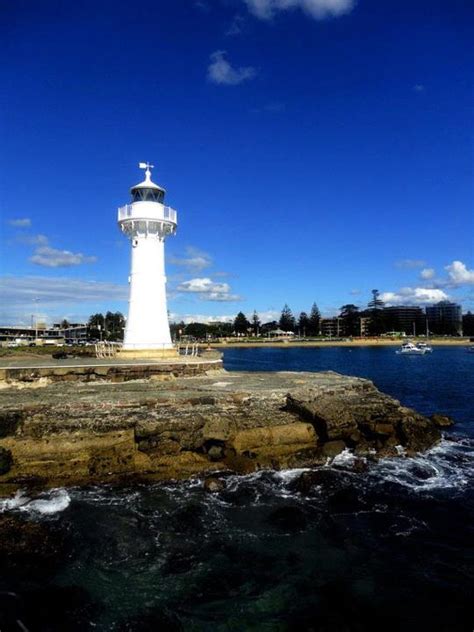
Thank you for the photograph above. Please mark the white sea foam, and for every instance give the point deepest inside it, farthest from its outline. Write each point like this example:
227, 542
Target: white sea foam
449, 465
48, 503
53, 502
344, 459
19, 500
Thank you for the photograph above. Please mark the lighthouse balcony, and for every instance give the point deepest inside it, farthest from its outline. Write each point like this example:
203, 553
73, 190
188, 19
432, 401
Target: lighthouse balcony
147, 211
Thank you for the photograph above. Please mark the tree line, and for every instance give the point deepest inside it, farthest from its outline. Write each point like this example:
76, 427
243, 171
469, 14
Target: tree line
111, 326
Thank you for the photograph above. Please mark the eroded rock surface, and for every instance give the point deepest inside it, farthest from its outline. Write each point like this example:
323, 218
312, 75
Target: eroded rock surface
79, 433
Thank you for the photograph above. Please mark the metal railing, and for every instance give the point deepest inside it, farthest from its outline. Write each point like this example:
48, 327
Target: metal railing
191, 349
107, 349
155, 212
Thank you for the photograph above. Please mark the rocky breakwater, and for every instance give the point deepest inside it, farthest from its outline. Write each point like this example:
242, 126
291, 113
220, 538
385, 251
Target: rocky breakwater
81, 433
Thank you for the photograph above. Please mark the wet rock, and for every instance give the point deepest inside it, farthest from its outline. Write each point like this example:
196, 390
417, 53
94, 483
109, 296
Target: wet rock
6, 460
9, 422
330, 415
333, 448
312, 481
442, 421
214, 485
418, 433
215, 452
359, 465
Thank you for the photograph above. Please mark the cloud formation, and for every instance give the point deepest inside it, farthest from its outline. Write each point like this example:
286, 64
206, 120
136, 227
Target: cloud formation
24, 222
54, 258
208, 290
459, 274
317, 9
221, 72
410, 263
414, 296
427, 273
23, 295
193, 259
200, 318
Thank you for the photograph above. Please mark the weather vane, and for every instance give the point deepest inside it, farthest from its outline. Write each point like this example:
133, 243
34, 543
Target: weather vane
145, 165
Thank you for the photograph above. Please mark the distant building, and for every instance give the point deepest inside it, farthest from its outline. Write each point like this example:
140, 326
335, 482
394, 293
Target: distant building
73, 331
332, 327
404, 318
468, 324
41, 334
445, 319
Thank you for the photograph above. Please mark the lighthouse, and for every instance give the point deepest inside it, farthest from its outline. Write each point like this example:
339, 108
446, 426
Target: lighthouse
147, 222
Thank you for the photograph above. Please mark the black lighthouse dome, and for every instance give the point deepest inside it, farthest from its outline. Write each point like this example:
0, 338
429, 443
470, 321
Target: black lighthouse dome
147, 191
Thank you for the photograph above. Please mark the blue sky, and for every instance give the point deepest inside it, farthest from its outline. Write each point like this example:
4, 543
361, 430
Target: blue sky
314, 149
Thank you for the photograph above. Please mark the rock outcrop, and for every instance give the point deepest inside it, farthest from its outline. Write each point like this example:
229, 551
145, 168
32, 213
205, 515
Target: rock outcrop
81, 433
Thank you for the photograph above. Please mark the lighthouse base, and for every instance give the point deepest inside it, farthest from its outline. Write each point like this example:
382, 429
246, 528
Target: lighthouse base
152, 354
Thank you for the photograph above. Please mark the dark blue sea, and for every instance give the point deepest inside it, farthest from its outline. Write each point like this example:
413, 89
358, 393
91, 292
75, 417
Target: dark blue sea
391, 549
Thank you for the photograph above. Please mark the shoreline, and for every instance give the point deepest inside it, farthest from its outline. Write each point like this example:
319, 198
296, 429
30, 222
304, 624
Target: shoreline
463, 342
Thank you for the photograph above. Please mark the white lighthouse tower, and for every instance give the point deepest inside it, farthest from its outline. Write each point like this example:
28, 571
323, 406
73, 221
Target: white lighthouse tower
147, 222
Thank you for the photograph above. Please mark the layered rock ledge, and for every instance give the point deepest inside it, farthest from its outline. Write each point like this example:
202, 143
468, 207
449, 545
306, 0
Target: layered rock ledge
78, 433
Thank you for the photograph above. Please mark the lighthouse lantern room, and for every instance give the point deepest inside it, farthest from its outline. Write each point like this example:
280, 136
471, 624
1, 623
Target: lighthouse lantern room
147, 222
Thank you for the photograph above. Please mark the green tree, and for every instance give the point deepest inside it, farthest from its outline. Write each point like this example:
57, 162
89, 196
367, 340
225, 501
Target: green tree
95, 326
114, 324
377, 322
197, 330
314, 321
303, 324
350, 317
287, 320
255, 323
241, 324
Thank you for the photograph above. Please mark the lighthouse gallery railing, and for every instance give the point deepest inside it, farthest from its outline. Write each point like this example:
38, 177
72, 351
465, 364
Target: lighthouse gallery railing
165, 213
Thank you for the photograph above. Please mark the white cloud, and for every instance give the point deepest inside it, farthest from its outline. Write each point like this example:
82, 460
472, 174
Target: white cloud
427, 273
201, 318
24, 295
54, 258
414, 296
459, 274
266, 316
194, 259
419, 87
410, 263
33, 240
24, 222
221, 72
317, 9
208, 290
235, 27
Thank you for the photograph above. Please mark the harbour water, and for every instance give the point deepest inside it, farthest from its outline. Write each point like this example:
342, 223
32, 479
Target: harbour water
387, 549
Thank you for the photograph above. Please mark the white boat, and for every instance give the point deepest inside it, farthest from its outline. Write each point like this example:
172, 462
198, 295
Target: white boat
408, 348
426, 347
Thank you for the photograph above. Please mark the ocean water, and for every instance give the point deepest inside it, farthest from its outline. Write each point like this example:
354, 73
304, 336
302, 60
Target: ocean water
389, 549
